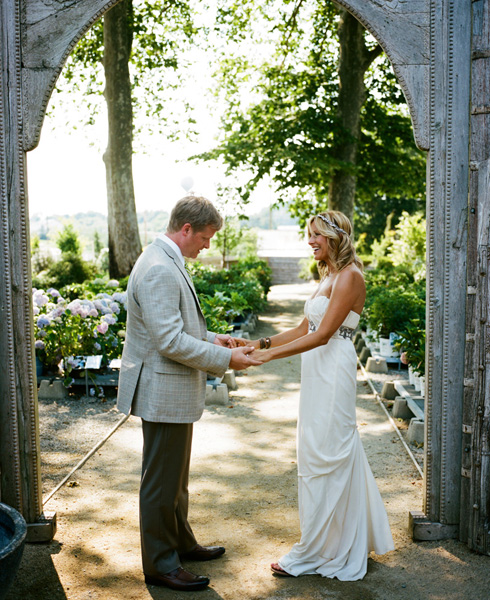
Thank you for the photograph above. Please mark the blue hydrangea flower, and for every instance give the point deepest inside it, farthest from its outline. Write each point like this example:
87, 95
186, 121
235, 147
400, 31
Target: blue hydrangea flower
43, 321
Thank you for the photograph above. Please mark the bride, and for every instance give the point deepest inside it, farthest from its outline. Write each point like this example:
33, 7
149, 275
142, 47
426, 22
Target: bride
342, 516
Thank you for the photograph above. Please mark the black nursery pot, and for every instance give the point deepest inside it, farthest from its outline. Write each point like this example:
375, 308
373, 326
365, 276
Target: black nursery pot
13, 531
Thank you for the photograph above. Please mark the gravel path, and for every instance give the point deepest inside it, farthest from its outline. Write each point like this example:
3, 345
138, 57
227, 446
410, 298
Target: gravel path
243, 495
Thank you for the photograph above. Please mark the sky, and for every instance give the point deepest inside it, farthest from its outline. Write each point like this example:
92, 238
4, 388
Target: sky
66, 172
66, 175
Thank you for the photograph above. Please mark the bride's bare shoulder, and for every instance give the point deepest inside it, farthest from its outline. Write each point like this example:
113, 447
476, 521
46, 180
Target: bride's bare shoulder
352, 275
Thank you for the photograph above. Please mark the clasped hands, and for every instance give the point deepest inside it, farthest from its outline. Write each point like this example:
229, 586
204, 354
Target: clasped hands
245, 353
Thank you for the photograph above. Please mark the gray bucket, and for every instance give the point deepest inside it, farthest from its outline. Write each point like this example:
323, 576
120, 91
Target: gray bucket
13, 530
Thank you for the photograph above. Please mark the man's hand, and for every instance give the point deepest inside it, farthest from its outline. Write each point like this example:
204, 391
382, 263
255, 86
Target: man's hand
240, 358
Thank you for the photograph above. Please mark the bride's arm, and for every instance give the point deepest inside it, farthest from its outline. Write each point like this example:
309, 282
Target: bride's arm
348, 286
284, 338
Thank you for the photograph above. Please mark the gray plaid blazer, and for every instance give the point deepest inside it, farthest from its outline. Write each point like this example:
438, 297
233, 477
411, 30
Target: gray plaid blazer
167, 351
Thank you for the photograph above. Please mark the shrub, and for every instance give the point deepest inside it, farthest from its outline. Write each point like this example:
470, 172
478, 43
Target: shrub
408, 245
250, 279
391, 310
309, 269
253, 268
393, 299
403, 246
40, 260
411, 342
71, 268
64, 329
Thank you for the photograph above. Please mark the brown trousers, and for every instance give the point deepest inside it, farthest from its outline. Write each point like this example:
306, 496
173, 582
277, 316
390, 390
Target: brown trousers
164, 497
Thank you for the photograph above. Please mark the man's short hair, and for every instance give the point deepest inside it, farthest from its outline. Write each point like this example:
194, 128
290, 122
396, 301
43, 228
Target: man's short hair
197, 211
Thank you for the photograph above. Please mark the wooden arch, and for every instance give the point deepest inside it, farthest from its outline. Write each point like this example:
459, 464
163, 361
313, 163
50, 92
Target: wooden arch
50, 33
438, 48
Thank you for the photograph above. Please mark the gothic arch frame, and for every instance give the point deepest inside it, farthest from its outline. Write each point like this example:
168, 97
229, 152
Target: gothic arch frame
420, 38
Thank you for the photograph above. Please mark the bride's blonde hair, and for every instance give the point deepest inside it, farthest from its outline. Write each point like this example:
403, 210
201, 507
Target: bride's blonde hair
337, 228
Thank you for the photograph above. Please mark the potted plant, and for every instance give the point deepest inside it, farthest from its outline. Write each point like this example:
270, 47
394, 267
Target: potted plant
411, 343
389, 312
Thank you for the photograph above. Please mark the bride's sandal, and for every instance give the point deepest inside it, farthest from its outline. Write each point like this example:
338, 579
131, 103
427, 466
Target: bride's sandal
277, 570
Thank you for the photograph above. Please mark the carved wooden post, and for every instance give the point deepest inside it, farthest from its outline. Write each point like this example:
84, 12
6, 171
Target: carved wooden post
428, 43
19, 451
447, 189
475, 492
36, 37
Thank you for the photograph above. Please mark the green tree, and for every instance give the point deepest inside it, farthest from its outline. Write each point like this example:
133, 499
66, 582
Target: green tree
408, 246
132, 41
97, 244
328, 123
227, 238
67, 240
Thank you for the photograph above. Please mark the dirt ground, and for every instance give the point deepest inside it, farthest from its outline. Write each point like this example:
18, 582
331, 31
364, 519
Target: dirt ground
243, 496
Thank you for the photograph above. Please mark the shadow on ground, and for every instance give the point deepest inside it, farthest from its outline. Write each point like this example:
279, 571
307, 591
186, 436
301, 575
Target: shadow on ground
243, 495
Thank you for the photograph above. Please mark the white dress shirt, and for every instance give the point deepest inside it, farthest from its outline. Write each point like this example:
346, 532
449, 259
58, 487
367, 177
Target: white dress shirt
164, 237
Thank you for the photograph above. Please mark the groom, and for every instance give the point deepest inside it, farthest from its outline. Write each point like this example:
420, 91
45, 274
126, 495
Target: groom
166, 356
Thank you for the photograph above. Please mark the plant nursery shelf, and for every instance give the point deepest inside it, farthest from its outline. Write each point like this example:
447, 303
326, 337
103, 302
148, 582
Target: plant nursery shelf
102, 379
414, 402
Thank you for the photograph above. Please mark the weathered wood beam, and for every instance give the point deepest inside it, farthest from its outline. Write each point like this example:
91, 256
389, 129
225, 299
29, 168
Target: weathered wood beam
50, 32
19, 442
402, 29
36, 36
447, 190
475, 488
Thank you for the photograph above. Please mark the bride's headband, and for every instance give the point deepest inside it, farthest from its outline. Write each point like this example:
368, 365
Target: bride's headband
332, 224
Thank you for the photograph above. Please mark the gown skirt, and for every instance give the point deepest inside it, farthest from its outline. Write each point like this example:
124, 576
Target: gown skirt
341, 512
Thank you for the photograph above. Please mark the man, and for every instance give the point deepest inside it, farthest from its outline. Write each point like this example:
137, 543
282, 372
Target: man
166, 356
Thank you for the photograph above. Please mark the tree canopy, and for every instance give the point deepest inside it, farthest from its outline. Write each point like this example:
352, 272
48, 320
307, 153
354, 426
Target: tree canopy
162, 32
291, 129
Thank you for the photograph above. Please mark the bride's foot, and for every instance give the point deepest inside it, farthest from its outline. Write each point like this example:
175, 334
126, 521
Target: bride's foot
278, 570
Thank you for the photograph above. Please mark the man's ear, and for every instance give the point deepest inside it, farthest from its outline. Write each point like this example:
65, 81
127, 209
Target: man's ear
186, 229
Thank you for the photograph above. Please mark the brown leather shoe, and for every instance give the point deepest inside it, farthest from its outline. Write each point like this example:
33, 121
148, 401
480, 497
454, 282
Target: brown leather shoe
179, 579
203, 553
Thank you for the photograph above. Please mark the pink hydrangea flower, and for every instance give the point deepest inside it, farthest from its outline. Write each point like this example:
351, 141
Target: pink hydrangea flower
74, 307
103, 327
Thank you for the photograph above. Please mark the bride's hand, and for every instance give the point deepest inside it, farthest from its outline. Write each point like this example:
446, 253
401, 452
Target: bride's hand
262, 355
226, 340
244, 342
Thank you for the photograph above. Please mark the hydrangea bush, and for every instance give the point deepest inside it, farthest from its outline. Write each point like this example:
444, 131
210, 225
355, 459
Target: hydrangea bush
85, 319
64, 329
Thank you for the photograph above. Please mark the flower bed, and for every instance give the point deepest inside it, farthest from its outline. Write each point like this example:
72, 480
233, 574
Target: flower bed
90, 319
64, 329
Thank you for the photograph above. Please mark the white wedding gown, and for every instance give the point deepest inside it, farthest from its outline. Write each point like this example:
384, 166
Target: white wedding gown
341, 513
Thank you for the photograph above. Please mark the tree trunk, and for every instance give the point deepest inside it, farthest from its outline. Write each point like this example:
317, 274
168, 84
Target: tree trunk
354, 60
124, 240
